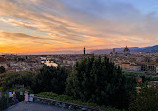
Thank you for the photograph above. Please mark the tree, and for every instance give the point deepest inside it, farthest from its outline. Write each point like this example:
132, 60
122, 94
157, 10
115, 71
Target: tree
145, 100
50, 79
100, 81
10, 79
156, 60
2, 69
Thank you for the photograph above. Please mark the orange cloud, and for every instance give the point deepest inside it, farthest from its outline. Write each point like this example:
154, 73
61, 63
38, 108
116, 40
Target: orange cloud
64, 28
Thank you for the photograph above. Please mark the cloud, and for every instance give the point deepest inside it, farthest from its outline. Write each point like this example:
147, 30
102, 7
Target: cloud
18, 36
21, 37
42, 22
18, 23
100, 23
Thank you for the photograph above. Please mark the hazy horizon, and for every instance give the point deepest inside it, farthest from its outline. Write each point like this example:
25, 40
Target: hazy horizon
88, 51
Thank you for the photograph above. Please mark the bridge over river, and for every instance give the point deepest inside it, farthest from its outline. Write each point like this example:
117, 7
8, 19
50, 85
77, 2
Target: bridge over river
22, 106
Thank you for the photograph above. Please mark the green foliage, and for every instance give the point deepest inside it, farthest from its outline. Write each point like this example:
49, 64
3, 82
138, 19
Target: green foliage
10, 79
1, 89
145, 100
70, 99
47, 79
3, 102
142, 75
2, 69
99, 81
157, 60
50, 79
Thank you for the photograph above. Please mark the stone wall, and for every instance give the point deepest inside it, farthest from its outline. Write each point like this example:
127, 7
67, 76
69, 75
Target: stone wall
67, 105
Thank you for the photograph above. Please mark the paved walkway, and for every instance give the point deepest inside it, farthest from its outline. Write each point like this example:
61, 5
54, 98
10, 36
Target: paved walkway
34, 107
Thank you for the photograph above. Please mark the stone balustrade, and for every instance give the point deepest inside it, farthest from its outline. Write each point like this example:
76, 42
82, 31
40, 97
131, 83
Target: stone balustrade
67, 105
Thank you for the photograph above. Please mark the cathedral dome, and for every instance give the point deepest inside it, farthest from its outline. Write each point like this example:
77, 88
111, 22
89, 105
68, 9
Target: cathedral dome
126, 51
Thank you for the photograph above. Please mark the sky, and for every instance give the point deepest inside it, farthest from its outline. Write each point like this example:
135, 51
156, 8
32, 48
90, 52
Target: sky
43, 26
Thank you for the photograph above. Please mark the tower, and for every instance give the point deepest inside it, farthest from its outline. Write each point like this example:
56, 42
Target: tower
113, 50
84, 51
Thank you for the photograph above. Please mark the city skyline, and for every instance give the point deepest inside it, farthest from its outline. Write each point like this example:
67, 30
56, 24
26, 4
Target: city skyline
42, 26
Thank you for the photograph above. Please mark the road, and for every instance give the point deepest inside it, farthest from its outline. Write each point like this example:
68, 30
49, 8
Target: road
34, 107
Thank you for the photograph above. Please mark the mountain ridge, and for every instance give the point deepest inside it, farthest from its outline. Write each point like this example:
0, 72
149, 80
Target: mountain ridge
149, 49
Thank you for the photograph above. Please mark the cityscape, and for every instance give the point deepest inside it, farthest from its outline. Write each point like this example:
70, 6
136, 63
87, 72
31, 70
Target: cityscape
66, 55
146, 63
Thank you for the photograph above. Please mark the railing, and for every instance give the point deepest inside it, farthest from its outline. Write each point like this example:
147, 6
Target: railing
66, 105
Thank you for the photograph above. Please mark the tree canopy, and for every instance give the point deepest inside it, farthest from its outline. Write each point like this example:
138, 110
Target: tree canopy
2, 69
10, 79
145, 100
50, 79
100, 81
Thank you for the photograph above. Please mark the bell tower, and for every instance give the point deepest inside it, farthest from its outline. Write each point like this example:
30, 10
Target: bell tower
84, 51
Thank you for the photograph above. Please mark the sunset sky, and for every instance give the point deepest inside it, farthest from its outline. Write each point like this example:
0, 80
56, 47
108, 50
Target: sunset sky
40, 26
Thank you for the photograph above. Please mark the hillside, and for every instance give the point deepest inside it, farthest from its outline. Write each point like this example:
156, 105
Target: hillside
132, 49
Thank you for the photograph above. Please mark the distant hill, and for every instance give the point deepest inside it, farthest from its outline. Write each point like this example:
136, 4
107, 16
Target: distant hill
150, 49
119, 50
132, 49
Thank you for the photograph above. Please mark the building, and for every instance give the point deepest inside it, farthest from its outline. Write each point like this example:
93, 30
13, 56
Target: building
130, 67
156, 69
84, 51
126, 51
153, 83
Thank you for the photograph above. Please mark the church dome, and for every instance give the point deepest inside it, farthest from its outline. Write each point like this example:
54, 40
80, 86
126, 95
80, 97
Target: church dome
126, 50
